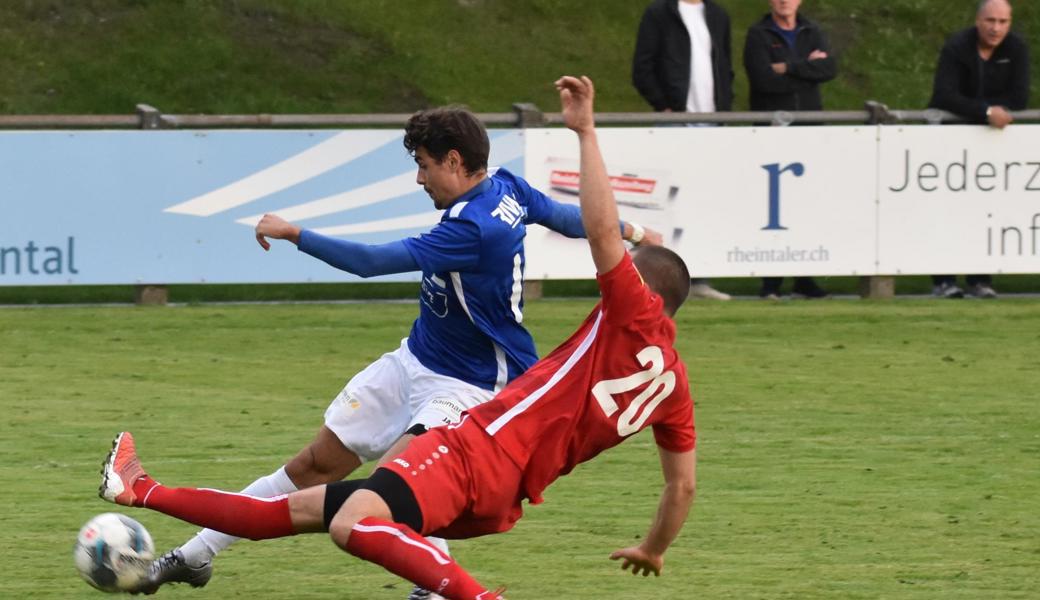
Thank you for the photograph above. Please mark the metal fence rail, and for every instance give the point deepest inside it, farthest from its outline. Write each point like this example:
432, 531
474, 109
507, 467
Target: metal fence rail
523, 115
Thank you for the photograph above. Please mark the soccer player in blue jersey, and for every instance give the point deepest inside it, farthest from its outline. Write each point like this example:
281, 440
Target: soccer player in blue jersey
469, 339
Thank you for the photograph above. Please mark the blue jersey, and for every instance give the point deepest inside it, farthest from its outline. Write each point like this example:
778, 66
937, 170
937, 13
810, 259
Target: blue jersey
470, 323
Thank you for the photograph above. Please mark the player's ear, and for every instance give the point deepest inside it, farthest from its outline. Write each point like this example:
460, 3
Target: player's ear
454, 159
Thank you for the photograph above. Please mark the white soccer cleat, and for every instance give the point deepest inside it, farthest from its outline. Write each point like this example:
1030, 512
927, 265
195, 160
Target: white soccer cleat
703, 290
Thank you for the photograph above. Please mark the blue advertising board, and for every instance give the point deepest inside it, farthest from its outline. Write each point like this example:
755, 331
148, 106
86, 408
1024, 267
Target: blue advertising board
165, 207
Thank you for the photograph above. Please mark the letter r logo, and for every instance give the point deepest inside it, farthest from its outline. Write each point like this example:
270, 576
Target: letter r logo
775, 171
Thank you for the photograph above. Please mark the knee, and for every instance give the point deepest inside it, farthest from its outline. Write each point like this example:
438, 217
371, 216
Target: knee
339, 530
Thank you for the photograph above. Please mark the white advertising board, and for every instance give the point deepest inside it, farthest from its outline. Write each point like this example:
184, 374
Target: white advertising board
959, 199
731, 201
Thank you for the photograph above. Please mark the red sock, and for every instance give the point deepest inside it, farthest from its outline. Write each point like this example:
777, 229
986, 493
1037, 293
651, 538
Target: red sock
234, 514
404, 553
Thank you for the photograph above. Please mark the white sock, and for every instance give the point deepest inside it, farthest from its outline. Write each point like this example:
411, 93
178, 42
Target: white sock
440, 543
207, 543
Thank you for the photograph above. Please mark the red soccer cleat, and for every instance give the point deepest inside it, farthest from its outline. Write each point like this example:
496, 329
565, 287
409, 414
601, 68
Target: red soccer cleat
120, 471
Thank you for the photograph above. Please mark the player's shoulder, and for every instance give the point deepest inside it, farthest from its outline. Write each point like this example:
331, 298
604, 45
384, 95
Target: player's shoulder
511, 183
501, 204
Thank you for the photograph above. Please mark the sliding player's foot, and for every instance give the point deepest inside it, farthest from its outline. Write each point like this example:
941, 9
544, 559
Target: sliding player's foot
420, 594
120, 470
173, 568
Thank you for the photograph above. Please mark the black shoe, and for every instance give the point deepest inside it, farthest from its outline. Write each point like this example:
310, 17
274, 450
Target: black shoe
808, 291
949, 290
172, 568
982, 290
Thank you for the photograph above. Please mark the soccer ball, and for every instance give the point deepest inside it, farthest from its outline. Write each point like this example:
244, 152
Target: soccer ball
113, 552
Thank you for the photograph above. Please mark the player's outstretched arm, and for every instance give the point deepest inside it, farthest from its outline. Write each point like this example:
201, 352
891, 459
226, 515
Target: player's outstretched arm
366, 260
599, 212
679, 486
565, 219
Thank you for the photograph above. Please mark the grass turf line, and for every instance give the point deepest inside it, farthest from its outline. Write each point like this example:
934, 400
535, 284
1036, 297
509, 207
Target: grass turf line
847, 449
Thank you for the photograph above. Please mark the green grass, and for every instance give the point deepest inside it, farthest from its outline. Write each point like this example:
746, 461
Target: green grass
335, 56
847, 449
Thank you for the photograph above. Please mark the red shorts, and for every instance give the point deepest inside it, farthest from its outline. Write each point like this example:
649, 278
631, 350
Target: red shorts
465, 484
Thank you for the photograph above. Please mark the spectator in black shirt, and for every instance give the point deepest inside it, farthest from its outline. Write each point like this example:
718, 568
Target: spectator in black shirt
983, 74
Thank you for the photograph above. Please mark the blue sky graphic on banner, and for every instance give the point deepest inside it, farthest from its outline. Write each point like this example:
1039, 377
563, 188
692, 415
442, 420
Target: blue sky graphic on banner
178, 206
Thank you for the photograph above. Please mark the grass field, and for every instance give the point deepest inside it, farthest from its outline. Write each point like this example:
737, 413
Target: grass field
334, 56
847, 449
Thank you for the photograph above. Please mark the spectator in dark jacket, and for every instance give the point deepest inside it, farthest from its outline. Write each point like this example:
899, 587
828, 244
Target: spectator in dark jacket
682, 63
983, 71
664, 62
983, 74
787, 57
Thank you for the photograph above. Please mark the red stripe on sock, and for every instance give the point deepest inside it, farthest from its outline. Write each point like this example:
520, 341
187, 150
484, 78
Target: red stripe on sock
234, 514
403, 552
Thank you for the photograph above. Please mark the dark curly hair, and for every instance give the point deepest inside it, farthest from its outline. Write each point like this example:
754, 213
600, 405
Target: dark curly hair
440, 130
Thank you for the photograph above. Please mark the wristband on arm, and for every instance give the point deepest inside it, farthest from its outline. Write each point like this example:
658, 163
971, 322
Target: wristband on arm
638, 233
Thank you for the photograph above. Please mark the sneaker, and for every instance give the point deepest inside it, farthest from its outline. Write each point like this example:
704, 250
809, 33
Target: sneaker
982, 290
172, 568
419, 593
809, 291
948, 290
703, 290
120, 470
773, 296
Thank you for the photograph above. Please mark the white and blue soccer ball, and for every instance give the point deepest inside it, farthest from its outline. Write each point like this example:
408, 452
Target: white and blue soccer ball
113, 552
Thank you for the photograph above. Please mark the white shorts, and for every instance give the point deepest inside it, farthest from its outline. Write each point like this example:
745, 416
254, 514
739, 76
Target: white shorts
391, 395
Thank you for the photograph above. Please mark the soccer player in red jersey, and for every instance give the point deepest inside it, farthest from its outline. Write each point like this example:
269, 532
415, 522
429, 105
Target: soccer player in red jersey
618, 374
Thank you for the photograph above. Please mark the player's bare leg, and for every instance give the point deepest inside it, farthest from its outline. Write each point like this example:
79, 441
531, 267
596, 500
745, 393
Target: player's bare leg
324, 460
364, 527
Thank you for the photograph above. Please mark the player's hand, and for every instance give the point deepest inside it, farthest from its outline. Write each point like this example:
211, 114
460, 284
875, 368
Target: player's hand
817, 55
278, 228
651, 237
641, 561
999, 117
576, 97
779, 68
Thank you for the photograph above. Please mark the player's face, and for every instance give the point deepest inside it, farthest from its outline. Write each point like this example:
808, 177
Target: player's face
993, 23
437, 178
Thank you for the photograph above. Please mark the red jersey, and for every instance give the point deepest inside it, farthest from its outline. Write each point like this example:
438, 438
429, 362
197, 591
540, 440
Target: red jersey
615, 376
